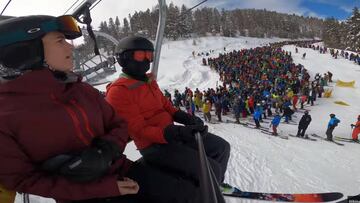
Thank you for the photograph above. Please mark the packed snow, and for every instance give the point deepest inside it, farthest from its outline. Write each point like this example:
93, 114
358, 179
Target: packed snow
260, 162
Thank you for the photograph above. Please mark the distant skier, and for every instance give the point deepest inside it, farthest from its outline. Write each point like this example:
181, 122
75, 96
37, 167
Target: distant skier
330, 76
287, 114
275, 123
206, 110
204, 61
303, 124
304, 55
356, 130
257, 116
331, 126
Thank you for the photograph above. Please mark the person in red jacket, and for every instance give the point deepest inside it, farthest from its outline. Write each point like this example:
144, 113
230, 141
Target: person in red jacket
356, 130
59, 138
137, 98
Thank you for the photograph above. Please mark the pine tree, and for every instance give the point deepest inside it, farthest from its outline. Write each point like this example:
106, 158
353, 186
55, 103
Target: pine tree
216, 23
331, 33
171, 29
126, 28
117, 28
104, 43
135, 22
185, 22
354, 30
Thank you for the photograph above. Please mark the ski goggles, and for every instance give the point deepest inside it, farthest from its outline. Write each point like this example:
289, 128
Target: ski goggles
33, 27
141, 55
68, 26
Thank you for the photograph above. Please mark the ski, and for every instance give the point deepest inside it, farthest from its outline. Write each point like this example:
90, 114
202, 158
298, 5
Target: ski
302, 110
212, 122
290, 123
270, 133
281, 197
252, 127
308, 138
234, 122
252, 124
323, 138
346, 139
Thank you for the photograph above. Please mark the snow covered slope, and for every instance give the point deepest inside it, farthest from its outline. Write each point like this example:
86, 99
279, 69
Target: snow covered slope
259, 162
262, 163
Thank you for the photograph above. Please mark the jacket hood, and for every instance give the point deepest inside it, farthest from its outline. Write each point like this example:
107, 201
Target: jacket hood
38, 81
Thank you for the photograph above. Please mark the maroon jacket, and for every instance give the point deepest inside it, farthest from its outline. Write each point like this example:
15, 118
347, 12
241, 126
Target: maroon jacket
41, 117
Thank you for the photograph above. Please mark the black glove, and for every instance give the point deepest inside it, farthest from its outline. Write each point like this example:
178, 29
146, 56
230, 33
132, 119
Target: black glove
109, 148
176, 133
87, 165
187, 119
352, 125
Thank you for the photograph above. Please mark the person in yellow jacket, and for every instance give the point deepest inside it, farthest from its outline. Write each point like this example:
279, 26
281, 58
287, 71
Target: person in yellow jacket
197, 101
290, 93
206, 110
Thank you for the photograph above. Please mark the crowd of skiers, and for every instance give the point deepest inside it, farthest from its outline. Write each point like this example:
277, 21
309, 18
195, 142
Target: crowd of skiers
264, 78
335, 53
258, 83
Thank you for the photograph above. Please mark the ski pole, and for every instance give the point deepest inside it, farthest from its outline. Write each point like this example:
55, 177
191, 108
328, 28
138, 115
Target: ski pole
219, 195
210, 191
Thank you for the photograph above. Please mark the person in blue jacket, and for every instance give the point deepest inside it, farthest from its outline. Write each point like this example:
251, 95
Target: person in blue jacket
275, 123
257, 116
331, 126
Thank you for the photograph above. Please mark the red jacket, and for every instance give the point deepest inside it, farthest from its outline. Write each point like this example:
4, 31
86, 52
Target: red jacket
144, 107
356, 131
41, 117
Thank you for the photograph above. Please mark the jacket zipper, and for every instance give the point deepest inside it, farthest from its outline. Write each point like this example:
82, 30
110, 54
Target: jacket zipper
74, 119
85, 117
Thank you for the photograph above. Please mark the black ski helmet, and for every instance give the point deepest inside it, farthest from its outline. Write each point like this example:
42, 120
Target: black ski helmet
21, 47
131, 43
306, 112
332, 115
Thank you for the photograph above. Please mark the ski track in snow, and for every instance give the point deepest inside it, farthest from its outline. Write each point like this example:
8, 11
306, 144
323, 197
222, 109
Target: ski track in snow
260, 162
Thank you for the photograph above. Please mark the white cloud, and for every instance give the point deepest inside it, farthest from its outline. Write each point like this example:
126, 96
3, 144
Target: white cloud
103, 11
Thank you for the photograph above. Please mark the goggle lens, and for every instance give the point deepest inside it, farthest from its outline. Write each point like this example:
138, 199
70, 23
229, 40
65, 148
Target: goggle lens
69, 26
141, 55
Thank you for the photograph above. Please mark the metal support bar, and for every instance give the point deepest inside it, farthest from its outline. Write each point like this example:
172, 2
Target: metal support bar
159, 37
210, 191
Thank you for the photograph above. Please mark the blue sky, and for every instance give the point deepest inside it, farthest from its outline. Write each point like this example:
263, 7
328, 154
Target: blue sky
340, 9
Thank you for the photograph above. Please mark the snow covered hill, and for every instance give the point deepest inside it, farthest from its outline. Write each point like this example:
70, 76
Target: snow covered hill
262, 163
259, 162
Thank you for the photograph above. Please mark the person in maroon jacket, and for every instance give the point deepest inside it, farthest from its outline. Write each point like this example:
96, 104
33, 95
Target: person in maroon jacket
59, 138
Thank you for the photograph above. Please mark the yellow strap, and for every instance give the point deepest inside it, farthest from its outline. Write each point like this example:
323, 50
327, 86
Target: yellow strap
7, 196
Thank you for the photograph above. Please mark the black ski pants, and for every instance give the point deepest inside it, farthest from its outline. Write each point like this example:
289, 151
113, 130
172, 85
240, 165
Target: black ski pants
155, 186
257, 123
329, 132
301, 131
183, 158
